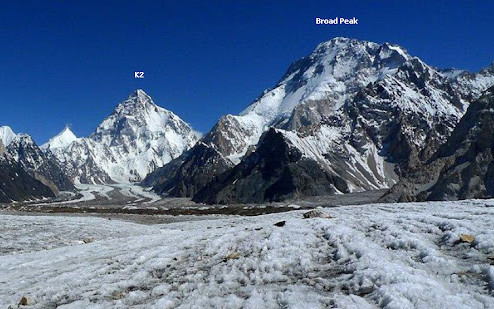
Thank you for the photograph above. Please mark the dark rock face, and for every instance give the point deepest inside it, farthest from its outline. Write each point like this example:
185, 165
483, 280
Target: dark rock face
467, 158
403, 135
16, 184
42, 166
275, 171
189, 173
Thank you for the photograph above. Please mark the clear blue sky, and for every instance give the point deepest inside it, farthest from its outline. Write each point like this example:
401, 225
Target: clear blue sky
73, 61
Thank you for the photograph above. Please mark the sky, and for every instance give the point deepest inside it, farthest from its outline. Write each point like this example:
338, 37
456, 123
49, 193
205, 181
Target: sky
72, 62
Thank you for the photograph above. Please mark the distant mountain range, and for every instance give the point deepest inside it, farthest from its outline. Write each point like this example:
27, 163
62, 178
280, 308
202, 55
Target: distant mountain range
137, 138
351, 116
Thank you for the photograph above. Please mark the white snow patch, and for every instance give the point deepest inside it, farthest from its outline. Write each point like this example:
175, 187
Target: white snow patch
61, 141
6, 135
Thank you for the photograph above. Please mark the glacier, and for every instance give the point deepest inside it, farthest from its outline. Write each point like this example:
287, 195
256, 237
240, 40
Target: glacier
408, 255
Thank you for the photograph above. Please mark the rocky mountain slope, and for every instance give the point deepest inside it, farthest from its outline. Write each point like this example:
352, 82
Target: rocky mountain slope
15, 183
467, 158
275, 171
43, 166
136, 139
189, 173
365, 113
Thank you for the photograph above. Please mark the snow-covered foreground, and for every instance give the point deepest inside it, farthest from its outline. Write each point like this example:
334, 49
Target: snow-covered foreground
386, 255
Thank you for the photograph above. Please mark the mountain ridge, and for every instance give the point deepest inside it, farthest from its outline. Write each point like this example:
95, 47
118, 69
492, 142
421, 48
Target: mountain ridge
364, 111
135, 139
41, 165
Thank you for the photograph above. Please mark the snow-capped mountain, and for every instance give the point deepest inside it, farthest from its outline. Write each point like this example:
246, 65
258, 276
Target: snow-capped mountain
333, 73
16, 184
41, 165
137, 138
17, 181
6, 135
61, 141
367, 113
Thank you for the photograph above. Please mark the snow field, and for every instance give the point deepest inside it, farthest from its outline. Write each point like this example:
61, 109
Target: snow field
382, 255
23, 234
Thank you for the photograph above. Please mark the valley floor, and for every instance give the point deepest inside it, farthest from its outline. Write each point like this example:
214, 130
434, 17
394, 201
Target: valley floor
133, 202
376, 255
